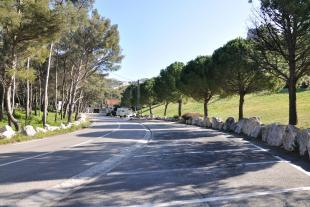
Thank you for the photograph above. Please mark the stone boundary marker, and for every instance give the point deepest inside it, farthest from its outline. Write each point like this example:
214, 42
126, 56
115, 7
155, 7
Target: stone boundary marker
288, 137
7, 132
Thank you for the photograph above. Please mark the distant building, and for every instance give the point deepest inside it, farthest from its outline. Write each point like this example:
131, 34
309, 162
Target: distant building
112, 102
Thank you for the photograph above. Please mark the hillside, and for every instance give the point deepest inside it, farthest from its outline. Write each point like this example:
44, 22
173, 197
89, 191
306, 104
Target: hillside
269, 107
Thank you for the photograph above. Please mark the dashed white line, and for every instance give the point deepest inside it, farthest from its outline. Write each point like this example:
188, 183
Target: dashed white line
201, 152
63, 189
46, 153
28, 158
208, 168
283, 160
277, 157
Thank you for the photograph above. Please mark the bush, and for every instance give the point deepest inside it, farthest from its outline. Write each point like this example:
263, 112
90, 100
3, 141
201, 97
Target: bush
191, 115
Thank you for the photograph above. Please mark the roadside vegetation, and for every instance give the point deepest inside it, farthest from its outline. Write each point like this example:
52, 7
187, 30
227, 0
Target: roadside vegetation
270, 107
34, 120
22, 137
54, 58
275, 56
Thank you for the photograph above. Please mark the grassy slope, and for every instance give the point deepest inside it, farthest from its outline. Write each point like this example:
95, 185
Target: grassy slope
269, 107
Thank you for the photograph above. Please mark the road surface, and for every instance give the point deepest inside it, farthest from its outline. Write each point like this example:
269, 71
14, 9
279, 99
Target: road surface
125, 163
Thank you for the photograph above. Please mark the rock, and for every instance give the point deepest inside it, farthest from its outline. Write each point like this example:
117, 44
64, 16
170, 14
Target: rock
7, 132
275, 135
257, 132
249, 125
81, 115
51, 128
228, 123
195, 121
265, 130
69, 125
308, 145
62, 126
76, 123
189, 121
200, 122
41, 130
289, 138
233, 127
216, 122
207, 122
83, 119
203, 123
303, 140
239, 125
29, 130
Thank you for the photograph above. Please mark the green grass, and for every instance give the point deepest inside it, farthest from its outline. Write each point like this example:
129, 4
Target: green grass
35, 121
270, 108
21, 138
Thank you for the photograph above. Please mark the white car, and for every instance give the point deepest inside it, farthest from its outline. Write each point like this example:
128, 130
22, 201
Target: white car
124, 112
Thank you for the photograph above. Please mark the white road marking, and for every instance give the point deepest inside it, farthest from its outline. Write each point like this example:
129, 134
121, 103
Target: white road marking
240, 196
62, 190
46, 153
179, 129
214, 167
281, 159
240, 140
201, 152
28, 158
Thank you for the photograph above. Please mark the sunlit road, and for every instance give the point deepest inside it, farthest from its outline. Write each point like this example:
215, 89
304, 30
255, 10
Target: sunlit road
120, 163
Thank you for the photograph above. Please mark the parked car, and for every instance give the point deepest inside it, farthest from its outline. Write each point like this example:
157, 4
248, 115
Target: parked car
124, 112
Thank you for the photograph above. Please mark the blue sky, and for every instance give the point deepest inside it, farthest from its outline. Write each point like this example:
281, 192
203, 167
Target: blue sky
156, 33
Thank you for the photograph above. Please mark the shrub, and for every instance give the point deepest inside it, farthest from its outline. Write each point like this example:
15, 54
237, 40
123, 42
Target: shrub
190, 115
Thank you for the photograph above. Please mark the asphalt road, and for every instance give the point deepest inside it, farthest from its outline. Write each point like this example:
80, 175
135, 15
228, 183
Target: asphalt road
123, 163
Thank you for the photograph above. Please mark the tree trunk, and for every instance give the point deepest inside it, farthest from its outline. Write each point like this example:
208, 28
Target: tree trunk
292, 102
205, 107
28, 93
241, 103
9, 109
36, 102
40, 93
180, 107
2, 98
78, 106
13, 93
31, 100
56, 91
65, 110
46, 87
71, 103
63, 94
166, 106
150, 108
69, 96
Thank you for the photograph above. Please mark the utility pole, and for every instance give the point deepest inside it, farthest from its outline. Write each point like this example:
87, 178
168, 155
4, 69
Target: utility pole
138, 95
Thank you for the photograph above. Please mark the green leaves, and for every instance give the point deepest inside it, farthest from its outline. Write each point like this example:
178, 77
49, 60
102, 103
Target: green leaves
23, 74
148, 96
166, 83
197, 79
237, 72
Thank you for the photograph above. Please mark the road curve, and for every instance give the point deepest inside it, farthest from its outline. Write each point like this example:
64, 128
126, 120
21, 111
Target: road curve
30, 168
114, 163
